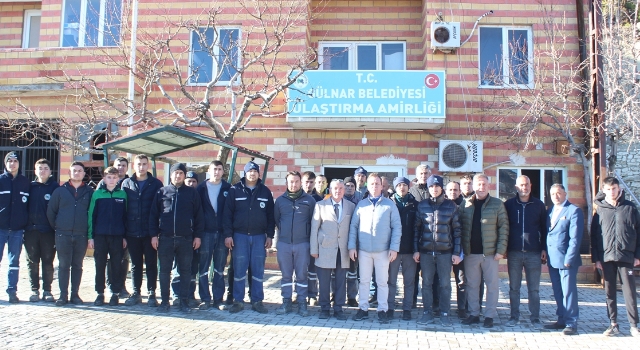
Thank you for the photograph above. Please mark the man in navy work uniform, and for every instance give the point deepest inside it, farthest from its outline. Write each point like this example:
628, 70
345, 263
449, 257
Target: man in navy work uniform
249, 227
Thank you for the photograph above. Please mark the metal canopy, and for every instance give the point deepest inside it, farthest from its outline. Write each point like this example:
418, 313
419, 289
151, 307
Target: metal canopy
168, 139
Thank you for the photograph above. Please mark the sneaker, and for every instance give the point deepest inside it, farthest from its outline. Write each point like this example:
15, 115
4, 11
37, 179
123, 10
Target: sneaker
114, 300
536, 324
512, 322
633, 331
471, 320
75, 299
313, 301
259, 307
427, 317
340, 315
164, 307
444, 320
13, 298
361, 315
99, 300
152, 301
204, 305
406, 315
488, 322
352, 303
324, 315
390, 314
570, 331
236, 307
193, 302
555, 326
61, 302
382, 317
48, 297
35, 296
612, 331
134, 299
124, 293
217, 304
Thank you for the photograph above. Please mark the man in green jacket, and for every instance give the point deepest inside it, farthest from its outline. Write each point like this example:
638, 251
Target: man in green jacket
485, 233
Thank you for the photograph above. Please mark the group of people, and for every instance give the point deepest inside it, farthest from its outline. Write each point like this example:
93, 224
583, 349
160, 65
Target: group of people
334, 241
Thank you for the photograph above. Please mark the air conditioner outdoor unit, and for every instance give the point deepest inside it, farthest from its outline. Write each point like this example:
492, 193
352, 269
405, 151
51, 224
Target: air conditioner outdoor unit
445, 36
460, 156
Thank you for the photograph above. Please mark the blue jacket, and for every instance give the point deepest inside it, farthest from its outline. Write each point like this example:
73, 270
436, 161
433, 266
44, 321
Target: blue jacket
107, 212
14, 198
565, 237
213, 220
249, 212
527, 224
176, 211
39, 196
139, 203
293, 218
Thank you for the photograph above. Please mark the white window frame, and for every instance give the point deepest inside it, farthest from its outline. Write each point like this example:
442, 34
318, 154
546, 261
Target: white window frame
352, 47
565, 177
506, 58
26, 29
216, 52
82, 29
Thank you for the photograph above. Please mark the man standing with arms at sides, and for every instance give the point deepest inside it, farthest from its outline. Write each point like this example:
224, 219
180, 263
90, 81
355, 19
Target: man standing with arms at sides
566, 226
176, 224
293, 212
249, 228
213, 193
615, 248
191, 180
14, 216
407, 206
453, 193
141, 189
321, 185
485, 234
374, 238
39, 237
527, 248
107, 218
354, 196
329, 239
360, 175
122, 164
68, 215
308, 183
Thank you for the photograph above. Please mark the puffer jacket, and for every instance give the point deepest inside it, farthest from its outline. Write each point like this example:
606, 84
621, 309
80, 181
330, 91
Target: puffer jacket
495, 226
408, 218
437, 227
615, 231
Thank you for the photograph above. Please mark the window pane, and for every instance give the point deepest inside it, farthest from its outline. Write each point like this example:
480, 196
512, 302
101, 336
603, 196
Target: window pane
551, 177
201, 57
367, 57
34, 31
71, 25
228, 53
490, 56
112, 20
392, 57
335, 58
518, 57
93, 23
506, 187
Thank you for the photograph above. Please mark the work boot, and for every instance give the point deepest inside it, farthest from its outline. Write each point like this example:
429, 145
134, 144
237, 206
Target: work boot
259, 307
236, 307
302, 310
286, 307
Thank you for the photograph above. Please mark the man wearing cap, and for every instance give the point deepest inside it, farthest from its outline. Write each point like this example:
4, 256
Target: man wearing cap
14, 216
436, 247
374, 238
360, 175
350, 192
176, 224
249, 227
407, 206
191, 179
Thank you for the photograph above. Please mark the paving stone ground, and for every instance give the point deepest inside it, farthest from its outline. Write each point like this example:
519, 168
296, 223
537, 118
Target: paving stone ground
43, 326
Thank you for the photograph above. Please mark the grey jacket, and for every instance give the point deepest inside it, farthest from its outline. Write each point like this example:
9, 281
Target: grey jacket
68, 210
293, 218
375, 228
327, 234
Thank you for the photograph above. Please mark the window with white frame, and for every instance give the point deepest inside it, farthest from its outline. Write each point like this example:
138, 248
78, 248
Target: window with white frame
31, 29
541, 181
363, 55
214, 54
91, 23
506, 56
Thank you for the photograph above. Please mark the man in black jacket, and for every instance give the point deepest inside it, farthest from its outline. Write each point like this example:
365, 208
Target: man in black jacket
141, 189
176, 224
39, 237
615, 249
249, 227
14, 215
527, 248
213, 193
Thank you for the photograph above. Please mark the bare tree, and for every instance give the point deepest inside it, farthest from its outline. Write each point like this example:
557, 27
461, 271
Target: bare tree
205, 70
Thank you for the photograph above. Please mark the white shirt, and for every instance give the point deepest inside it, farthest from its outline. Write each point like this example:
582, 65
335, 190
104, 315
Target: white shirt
556, 212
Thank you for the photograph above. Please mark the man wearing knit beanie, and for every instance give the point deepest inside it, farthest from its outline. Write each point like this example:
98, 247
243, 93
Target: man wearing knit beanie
13, 217
249, 227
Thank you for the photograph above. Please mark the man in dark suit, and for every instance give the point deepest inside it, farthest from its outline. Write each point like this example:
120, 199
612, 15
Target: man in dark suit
566, 226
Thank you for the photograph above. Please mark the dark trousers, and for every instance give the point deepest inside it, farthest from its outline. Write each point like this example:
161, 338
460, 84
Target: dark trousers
71, 251
220, 255
324, 286
205, 256
352, 279
408, 272
40, 247
312, 279
530, 261
611, 271
176, 280
430, 263
111, 246
180, 248
124, 268
461, 286
140, 250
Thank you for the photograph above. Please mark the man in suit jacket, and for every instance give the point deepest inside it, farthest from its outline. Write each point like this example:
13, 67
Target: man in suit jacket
329, 238
566, 225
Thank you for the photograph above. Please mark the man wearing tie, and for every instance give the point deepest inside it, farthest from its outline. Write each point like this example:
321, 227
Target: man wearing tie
566, 225
329, 238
